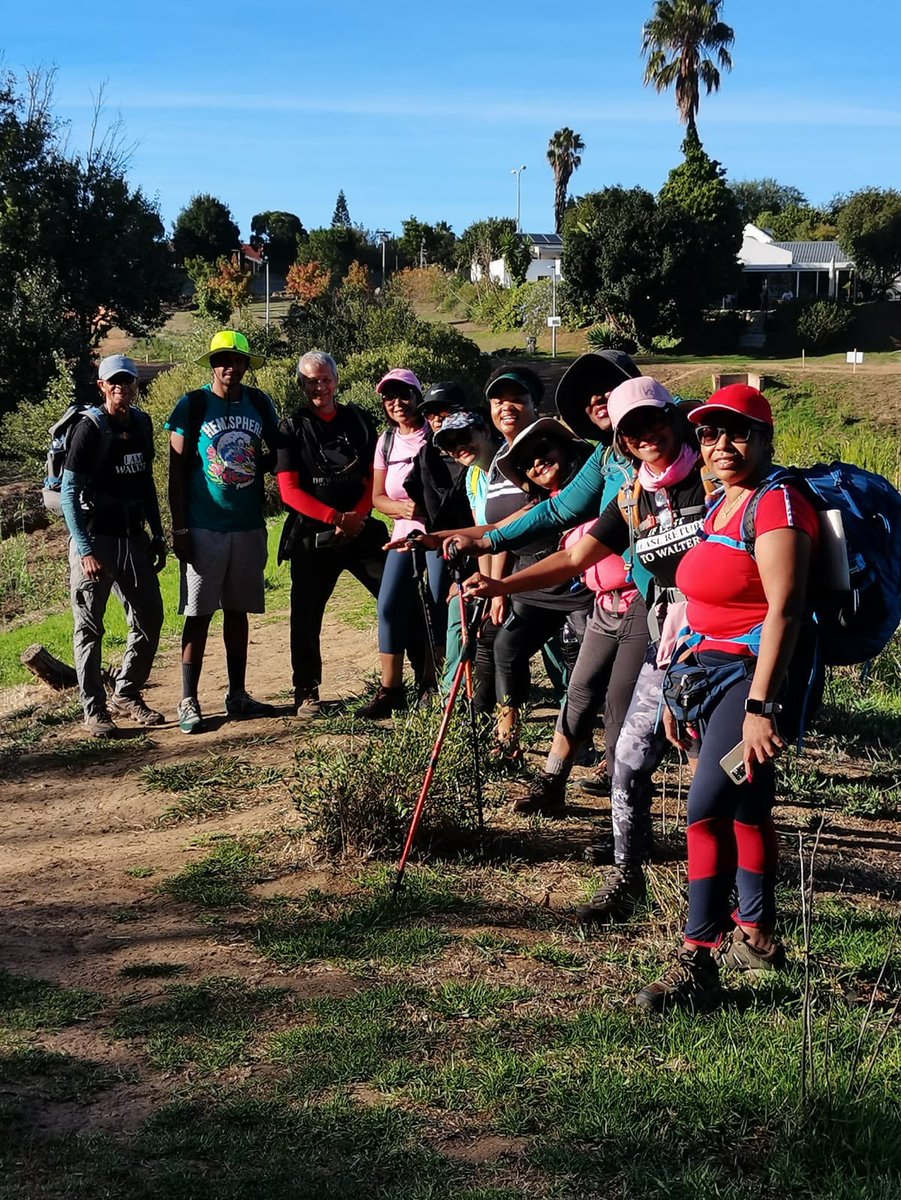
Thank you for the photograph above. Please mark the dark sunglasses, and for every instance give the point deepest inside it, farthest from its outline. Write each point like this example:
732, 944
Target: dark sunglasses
709, 435
634, 430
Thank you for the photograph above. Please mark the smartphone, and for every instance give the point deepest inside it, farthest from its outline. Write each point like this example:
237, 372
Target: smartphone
323, 539
733, 764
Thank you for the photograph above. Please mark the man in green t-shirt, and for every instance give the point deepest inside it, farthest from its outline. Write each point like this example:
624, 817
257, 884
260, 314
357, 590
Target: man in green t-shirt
216, 474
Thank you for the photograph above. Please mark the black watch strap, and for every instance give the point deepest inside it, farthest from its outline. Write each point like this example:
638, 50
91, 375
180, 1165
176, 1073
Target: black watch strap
763, 708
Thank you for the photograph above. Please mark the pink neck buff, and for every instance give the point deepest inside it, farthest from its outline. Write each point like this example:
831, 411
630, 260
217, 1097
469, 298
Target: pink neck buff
673, 474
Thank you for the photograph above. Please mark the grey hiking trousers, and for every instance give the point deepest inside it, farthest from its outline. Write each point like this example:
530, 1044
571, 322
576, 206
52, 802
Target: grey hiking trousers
639, 749
130, 575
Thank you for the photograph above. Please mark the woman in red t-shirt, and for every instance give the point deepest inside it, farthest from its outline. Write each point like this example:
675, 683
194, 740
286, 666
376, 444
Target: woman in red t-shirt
745, 612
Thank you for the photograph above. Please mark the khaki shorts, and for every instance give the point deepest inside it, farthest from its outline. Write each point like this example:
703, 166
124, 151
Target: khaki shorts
227, 571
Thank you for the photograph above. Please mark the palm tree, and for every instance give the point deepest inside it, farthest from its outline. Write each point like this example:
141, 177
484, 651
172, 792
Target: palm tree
680, 42
564, 153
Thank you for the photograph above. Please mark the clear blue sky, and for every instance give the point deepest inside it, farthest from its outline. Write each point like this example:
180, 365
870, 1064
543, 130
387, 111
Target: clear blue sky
425, 108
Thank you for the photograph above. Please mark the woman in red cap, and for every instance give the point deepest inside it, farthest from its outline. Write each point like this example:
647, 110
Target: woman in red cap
745, 585
395, 454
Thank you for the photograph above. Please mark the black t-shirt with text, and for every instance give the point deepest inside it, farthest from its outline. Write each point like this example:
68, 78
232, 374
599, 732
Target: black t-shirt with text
119, 479
333, 459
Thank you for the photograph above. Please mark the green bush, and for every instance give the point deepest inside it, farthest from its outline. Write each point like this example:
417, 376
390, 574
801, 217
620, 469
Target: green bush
24, 432
605, 337
823, 324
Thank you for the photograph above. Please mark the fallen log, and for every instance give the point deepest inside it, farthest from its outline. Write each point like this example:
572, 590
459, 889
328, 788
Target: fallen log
49, 669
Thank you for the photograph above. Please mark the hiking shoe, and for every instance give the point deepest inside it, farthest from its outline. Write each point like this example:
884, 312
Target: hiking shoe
600, 853
598, 782
306, 702
691, 981
384, 703
507, 759
134, 707
100, 725
546, 795
588, 755
736, 951
617, 900
242, 705
190, 718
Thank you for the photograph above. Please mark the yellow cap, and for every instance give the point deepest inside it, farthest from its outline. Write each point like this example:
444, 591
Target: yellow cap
229, 340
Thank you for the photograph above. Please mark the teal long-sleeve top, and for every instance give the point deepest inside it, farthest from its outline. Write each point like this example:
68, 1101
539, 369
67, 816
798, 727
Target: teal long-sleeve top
586, 496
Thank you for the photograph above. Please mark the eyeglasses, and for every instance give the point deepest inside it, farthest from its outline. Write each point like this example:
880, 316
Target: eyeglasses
122, 382
635, 431
709, 435
456, 447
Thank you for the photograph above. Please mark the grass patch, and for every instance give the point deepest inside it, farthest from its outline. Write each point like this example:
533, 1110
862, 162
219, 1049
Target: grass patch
98, 750
205, 786
31, 1075
24, 731
210, 1024
140, 872
33, 1004
219, 881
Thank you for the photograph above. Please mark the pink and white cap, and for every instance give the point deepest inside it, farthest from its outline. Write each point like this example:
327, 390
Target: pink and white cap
642, 392
399, 375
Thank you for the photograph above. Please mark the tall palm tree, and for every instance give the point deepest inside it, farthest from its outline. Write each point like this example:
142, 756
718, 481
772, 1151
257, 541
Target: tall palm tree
564, 153
680, 42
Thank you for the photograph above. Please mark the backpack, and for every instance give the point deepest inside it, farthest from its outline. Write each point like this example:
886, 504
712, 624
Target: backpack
60, 435
856, 583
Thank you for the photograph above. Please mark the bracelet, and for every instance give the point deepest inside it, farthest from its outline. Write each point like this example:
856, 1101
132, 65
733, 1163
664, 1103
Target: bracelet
179, 532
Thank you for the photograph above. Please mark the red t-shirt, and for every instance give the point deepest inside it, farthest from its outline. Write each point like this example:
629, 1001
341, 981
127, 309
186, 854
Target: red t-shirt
725, 595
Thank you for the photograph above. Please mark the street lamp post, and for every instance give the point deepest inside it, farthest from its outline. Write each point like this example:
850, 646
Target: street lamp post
266, 265
518, 173
384, 234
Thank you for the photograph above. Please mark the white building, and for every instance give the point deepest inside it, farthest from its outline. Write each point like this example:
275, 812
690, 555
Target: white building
805, 270
546, 250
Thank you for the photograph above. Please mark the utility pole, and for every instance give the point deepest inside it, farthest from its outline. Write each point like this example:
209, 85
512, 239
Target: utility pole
422, 253
518, 173
384, 234
266, 265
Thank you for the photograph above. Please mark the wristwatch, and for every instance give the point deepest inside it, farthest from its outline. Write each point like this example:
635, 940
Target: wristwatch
763, 708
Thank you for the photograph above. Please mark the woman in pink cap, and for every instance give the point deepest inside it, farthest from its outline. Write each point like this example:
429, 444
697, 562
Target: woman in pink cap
654, 521
398, 611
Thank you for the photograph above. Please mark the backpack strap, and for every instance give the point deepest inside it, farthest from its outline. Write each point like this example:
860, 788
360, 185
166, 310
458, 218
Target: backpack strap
387, 441
196, 417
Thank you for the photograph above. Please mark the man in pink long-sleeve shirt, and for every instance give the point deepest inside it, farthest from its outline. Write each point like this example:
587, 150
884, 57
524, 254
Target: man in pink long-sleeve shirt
325, 479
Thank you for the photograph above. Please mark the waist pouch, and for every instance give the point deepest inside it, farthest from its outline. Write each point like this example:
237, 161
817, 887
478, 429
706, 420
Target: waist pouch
691, 690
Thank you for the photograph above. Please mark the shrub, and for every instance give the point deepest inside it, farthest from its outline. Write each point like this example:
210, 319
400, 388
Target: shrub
422, 285
360, 797
606, 337
23, 432
824, 323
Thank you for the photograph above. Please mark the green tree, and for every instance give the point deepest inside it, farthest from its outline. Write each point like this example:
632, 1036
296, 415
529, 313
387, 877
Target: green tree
517, 255
277, 235
437, 242
204, 229
564, 153
756, 196
222, 288
702, 231
678, 42
797, 223
482, 242
341, 215
869, 231
336, 248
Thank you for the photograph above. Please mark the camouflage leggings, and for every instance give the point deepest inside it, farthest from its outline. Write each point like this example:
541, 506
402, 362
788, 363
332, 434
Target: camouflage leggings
639, 749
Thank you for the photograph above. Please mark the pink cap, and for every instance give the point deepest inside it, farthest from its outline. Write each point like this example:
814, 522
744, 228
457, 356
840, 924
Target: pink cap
642, 392
399, 375
735, 398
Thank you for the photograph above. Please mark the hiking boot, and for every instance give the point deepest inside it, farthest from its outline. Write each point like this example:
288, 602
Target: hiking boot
736, 951
546, 795
617, 900
598, 782
588, 755
691, 981
134, 707
306, 702
600, 853
384, 703
100, 725
190, 718
242, 705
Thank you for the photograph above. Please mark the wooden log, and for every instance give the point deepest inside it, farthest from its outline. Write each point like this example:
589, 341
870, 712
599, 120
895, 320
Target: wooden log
50, 670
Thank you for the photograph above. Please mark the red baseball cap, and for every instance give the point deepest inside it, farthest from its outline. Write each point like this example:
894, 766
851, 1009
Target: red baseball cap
735, 398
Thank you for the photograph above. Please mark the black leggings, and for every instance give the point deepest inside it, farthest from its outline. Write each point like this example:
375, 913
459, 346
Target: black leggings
510, 647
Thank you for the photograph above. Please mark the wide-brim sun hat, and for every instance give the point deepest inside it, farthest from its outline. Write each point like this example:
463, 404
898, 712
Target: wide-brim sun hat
399, 375
643, 392
591, 374
230, 341
512, 460
736, 398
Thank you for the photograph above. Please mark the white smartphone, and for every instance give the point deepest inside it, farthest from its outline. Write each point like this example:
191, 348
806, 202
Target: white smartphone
733, 764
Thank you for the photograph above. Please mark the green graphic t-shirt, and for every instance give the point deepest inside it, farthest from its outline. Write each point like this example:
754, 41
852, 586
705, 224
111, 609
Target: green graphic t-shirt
225, 490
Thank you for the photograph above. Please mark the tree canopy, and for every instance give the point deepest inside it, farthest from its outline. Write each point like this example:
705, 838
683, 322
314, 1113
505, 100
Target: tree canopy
341, 215
483, 241
869, 231
277, 234
686, 46
564, 153
204, 229
756, 196
438, 242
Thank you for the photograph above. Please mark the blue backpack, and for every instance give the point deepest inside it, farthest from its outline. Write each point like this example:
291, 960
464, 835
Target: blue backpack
856, 605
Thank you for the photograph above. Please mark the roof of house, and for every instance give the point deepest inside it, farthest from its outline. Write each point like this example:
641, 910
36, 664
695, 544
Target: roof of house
815, 252
546, 239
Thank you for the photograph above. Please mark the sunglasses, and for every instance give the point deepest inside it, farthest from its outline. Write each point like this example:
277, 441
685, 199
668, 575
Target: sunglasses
634, 431
709, 435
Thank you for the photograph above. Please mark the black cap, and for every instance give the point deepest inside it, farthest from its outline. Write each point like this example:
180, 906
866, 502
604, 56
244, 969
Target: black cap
447, 395
591, 375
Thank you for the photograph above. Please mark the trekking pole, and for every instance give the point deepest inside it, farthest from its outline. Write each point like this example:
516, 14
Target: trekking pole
417, 557
475, 619
470, 632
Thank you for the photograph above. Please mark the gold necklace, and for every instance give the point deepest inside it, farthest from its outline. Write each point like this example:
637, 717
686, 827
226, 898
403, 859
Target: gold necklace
727, 512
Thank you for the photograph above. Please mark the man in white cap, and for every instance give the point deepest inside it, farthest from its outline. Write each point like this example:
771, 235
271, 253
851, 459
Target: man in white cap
216, 496
108, 497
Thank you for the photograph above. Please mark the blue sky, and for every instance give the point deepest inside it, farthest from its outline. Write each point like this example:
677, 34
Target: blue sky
425, 108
